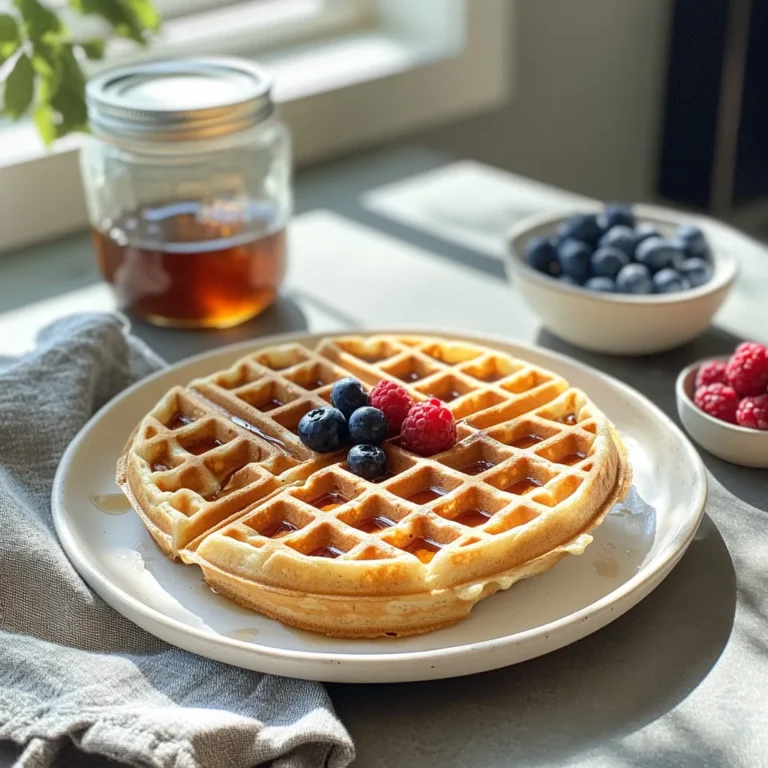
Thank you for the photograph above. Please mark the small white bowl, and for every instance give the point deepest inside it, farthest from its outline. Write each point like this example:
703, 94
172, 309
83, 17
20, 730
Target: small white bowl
730, 442
617, 323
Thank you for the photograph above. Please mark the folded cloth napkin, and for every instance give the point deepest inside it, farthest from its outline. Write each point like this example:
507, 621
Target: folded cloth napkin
71, 668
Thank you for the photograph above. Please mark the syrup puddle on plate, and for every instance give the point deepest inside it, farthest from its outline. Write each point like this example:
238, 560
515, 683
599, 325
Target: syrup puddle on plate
135, 560
606, 563
247, 634
111, 503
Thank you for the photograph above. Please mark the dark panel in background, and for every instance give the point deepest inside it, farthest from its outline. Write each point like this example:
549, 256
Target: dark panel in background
716, 137
751, 172
696, 52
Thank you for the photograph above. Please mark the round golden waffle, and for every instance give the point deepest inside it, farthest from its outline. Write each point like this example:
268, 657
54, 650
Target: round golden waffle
221, 479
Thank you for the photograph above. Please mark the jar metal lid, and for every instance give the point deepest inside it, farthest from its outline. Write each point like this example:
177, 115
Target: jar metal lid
179, 100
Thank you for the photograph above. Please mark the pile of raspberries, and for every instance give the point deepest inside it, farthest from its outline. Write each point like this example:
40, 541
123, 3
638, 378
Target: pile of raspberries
736, 391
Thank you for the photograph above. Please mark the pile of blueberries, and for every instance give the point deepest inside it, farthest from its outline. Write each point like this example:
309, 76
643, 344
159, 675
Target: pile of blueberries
611, 252
353, 421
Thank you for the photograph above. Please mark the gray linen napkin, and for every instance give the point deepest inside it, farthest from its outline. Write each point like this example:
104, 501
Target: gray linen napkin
71, 668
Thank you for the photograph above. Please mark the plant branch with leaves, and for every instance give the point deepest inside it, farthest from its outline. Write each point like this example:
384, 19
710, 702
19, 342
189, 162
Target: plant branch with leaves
41, 62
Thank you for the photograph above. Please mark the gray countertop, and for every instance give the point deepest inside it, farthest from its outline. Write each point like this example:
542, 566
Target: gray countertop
680, 680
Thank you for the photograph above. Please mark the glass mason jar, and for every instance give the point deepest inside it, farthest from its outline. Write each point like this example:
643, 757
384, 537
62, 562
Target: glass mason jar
188, 183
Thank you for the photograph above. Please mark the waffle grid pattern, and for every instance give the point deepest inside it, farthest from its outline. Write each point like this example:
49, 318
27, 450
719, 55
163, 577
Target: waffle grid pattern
491, 482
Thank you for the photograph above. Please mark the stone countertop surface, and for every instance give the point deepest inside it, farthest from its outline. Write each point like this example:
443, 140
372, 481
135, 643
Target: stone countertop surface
680, 680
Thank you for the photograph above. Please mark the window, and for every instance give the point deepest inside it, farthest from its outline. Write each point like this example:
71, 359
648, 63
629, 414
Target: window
347, 73
233, 27
245, 27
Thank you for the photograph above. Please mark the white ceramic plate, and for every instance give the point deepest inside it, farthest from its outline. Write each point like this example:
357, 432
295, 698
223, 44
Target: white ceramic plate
635, 548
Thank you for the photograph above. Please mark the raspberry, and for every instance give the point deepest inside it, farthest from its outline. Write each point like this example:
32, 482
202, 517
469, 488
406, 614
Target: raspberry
394, 401
718, 400
753, 412
428, 429
747, 369
711, 373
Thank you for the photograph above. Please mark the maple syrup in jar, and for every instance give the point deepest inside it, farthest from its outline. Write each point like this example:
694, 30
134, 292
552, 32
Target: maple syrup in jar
189, 192
192, 267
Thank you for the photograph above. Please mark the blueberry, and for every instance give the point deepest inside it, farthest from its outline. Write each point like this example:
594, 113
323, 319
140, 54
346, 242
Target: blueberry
620, 237
540, 254
679, 255
582, 226
368, 462
614, 215
573, 256
657, 254
368, 425
668, 281
644, 231
606, 262
348, 395
697, 270
603, 284
694, 242
323, 429
634, 278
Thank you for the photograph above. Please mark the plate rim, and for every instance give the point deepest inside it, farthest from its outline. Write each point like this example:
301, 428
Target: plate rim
587, 616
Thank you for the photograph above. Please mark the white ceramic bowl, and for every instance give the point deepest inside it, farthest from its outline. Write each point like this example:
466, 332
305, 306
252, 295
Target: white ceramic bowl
613, 323
738, 445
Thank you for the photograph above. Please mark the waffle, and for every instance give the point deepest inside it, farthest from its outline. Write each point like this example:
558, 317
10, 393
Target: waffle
217, 473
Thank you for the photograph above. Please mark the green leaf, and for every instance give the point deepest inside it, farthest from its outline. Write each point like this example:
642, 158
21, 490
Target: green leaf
9, 37
45, 122
38, 20
122, 19
127, 25
70, 104
7, 50
50, 79
128, 18
146, 13
85, 6
19, 87
9, 30
45, 58
49, 86
71, 72
94, 48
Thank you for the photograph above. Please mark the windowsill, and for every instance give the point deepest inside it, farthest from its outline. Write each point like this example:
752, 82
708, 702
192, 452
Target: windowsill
350, 60
339, 92
300, 72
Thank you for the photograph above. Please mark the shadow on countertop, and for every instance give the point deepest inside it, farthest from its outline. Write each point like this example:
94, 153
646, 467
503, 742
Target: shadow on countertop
552, 709
173, 344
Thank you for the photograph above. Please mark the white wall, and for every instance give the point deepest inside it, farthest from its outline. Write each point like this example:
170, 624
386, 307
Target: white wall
589, 81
